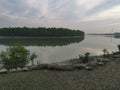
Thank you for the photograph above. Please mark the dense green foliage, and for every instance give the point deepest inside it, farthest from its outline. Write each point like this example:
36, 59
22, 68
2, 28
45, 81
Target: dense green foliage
40, 31
14, 57
104, 52
40, 41
119, 47
32, 57
85, 58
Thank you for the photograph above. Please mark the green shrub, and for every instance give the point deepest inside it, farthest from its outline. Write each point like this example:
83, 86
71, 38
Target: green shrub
14, 57
105, 52
85, 58
118, 47
32, 57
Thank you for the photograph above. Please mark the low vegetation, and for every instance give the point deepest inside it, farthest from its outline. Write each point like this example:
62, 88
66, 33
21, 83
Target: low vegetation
85, 58
32, 57
15, 57
119, 47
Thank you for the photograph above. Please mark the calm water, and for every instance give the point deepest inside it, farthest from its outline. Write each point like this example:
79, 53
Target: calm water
56, 50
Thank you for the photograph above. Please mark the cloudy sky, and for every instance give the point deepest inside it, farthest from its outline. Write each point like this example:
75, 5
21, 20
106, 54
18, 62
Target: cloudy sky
87, 15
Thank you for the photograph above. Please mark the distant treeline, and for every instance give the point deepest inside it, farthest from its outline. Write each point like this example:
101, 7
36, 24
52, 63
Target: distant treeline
39, 32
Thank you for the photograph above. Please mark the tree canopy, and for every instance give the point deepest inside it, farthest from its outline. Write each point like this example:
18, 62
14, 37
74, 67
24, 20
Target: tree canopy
39, 32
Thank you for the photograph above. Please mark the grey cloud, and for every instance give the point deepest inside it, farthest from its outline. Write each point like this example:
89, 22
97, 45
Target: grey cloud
107, 4
5, 21
63, 10
18, 8
56, 13
13, 6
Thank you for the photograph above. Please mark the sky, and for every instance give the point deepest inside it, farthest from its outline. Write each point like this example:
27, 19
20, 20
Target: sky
90, 16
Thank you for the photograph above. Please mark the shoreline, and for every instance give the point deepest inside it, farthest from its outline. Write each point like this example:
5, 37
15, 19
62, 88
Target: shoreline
49, 77
72, 64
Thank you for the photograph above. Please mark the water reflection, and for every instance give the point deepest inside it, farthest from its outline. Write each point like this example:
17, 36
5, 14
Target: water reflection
117, 37
57, 50
40, 41
111, 36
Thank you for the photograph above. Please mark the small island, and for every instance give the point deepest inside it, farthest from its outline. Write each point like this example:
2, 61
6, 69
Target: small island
39, 32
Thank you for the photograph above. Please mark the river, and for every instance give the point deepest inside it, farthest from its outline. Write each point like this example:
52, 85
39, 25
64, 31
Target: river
50, 50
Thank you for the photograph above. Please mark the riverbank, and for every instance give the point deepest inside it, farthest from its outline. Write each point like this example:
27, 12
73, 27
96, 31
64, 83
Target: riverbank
100, 78
100, 73
71, 65
78, 63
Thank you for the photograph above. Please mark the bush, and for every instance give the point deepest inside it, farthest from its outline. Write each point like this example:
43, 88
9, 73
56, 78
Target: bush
118, 47
32, 57
14, 57
105, 52
85, 58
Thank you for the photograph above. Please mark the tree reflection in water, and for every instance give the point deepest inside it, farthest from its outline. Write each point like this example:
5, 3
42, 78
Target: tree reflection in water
41, 41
